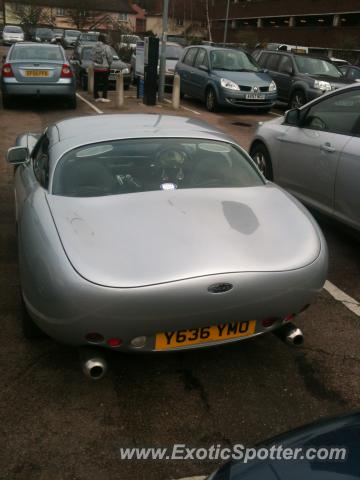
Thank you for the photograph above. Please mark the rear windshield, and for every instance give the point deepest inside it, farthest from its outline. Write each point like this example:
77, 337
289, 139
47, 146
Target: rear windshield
86, 53
173, 52
131, 166
89, 37
233, 61
13, 30
37, 52
316, 66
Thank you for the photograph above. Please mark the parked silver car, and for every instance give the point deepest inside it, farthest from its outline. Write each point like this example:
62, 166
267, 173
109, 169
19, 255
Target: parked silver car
12, 34
156, 233
314, 152
32, 69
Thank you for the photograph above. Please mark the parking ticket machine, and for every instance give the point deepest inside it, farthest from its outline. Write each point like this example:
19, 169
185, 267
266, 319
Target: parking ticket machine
151, 61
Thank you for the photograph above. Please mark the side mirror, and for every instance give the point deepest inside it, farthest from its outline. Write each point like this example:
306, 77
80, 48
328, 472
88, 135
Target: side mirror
204, 68
17, 155
292, 117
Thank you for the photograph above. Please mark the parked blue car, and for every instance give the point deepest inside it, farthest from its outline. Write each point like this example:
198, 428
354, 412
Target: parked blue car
224, 76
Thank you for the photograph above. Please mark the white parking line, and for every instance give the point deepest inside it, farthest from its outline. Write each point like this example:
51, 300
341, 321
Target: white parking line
348, 302
276, 114
97, 110
184, 108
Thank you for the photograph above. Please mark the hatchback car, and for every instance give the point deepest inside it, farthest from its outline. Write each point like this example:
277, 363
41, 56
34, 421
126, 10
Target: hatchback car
82, 59
314, 153
223, 76
156, 233
32, 69
300, 78
12, 34
70, 37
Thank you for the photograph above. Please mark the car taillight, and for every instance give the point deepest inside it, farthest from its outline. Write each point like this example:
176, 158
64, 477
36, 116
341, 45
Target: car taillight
7, 70
66, 72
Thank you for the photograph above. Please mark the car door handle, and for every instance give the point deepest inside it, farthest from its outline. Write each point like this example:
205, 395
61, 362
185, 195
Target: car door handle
327, 148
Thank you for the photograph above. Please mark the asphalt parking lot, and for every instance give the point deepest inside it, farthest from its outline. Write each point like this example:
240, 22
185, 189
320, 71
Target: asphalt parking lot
57, 425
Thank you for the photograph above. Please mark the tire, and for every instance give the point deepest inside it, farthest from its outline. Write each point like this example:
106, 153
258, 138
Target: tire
259, 153
211, 100
298, 99
7, 101
72, 102
29, 328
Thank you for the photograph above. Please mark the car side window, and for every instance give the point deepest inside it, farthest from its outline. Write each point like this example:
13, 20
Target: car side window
354, 74
263, 59
337, 114
201, 58
273, 61
285, 64
190, 56
40, 158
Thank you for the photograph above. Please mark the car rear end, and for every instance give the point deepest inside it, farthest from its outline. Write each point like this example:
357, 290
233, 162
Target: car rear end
12, 35
37, 70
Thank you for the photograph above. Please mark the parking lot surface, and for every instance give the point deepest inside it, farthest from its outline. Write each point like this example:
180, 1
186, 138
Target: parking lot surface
56, 424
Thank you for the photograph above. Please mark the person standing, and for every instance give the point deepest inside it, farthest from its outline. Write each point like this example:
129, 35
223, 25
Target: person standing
102, 58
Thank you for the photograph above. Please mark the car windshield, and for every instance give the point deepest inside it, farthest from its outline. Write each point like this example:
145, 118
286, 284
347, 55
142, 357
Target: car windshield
37, 52
317, 66
87, 55
89, 37
44, 31
173, 52
233, 61
72, 33
132, 166
13, 30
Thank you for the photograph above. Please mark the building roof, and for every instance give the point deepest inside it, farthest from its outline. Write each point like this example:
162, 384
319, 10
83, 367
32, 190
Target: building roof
118, 6
274, 8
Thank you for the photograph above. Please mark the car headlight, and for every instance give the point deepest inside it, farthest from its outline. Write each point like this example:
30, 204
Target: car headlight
321, 85
225, 83
272, 87
125, 71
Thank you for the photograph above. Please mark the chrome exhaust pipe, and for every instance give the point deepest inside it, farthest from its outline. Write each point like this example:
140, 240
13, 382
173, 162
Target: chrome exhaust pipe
290, 334
93, 363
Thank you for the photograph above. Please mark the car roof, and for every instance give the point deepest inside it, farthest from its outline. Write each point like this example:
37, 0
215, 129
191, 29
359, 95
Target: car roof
216, 47
41, 45
296, 54
96, 128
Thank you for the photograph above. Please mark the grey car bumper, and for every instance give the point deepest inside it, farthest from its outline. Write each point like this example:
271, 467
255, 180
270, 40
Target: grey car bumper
239, 99
18, 89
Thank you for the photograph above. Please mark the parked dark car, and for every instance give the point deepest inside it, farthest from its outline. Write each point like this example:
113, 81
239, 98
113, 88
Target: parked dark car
342, 432
82, 60
351, 72
43, 35
224, 76
300, 77
58, 34
70, 37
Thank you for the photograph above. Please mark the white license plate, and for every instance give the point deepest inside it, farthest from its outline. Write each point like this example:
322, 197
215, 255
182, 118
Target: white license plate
255, 96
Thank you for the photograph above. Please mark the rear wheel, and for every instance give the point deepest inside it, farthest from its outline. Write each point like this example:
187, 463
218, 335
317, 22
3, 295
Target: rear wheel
298, 99
29, 328
72, 102
211, 100
259, 153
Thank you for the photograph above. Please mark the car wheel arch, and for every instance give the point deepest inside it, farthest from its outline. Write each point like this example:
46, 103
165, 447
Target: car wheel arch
260, 143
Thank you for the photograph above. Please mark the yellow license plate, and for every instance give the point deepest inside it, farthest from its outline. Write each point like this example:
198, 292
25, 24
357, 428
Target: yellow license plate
36, 73
195, 336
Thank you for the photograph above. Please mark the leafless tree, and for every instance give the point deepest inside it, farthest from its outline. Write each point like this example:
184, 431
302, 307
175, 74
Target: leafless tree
31, 14
208, 19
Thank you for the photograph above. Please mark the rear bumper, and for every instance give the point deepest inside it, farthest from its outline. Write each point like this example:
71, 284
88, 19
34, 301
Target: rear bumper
21, 89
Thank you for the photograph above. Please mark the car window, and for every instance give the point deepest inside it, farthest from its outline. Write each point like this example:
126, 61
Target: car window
202, 58
190, 56
37, 52
316, 66
354, 74
40, 158
232, 60
273, 61
263, 59
9, 29
337, 114
285, 64
133, 166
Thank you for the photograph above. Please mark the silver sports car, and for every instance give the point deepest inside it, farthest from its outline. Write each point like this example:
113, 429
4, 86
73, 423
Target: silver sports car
156, 233
314, 152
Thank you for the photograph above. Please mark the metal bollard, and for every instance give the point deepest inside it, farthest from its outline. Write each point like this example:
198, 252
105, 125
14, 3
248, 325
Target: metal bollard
90, 71
176, 92
119, 90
